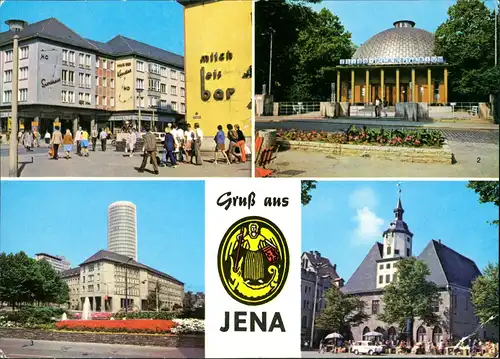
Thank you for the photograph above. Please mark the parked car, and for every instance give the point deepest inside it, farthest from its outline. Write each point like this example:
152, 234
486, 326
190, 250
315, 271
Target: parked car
366, 347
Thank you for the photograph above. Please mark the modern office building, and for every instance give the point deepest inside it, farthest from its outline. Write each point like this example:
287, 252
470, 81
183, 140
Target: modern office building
398, 64
122, 229
452, 272
111, 280
59, 263
67, 80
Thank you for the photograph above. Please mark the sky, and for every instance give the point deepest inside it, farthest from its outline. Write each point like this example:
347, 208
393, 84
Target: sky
69, 218
345, 219
156, 23
363, 19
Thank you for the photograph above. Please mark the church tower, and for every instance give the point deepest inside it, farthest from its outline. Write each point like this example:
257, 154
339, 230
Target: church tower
397, 245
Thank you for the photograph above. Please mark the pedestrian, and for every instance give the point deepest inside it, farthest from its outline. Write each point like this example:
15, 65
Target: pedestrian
385, 104
149, 151
104, 139
84, 142
28, 141
173, 131
232, 136
198, 139
94, 136
36, 137
188, 144
220, 144
57, 139
241, 143
78, 139
68, 143
19, 137
47, 138
377, 107
169, 147
180, 144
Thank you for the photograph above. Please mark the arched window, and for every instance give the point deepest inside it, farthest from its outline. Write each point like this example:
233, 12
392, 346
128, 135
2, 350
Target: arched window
392, 334
421, 335
365, 330
437, 335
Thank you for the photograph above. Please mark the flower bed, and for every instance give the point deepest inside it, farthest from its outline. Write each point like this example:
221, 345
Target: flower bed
113, 326
96, 315
189, 326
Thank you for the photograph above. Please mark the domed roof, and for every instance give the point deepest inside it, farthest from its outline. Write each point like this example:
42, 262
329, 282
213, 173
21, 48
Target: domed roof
404, 40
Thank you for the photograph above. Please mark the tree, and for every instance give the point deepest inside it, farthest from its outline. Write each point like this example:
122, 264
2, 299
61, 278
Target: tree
306, 187
341, 312
466, 40
484, 294
150, 303
189, 300
488, 192
410, 296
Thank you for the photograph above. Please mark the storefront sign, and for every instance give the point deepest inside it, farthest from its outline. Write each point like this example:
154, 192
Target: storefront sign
46, 83
124, 72
218, 95
431, 60
126, 64
216, 57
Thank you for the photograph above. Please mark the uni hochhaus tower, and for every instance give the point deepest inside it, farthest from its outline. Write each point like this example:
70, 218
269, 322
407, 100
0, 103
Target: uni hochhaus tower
122, 229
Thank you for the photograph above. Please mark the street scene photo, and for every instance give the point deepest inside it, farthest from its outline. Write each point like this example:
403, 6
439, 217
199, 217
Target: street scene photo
399, 269
343, 89
168, 94
100, 271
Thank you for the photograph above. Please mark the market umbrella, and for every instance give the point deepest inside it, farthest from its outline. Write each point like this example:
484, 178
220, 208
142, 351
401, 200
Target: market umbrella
373, 334
334, 335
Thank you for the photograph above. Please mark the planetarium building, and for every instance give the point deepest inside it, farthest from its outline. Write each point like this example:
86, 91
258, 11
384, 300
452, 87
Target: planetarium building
398, 64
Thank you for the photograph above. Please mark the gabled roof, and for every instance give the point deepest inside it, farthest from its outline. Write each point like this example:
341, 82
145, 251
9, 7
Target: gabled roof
104, 255
364, 278
70, 272
330, 269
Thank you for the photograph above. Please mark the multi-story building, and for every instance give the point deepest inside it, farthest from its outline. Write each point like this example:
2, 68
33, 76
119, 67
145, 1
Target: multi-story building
452, 272
315, 269
59, 263
111, 280
122, 228
67, 80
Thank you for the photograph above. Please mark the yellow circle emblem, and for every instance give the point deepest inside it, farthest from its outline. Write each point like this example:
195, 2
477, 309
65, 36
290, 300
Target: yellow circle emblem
253, 261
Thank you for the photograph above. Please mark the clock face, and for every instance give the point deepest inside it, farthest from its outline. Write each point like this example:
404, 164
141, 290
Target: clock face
388, 239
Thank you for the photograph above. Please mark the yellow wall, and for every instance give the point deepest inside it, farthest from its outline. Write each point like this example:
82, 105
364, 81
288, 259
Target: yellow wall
212, 28
125, 84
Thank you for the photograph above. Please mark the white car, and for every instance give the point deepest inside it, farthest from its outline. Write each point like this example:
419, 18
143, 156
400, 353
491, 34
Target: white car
366, 347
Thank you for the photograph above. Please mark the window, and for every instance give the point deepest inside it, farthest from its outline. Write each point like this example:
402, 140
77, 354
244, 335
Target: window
174, 106
71, 77
381, 266
88, 61
72, 57
163, 71
104, 82
173, 74
394, 277
64, 77
23, 95
380, 279
112, 65
97, 81
140, 66
104, 64
91, 288
112, 83
91, 278
71, 97
97, 61
64, 98
435, 306
182, 76
389, 250
87, 98
8, 56
98, 277
396, 252
375, 306
81, 79
7, 76
173, 90
83, 279
183, 108
81, 60
407, 252
387, 278
154, 68
104, 100
112, 101
88, 81
163, 103
140, 84
183, 92
154, 84
388, 266
65, 57
96, 100
24, 52
163, 88
23, 73
98, 287
81, 101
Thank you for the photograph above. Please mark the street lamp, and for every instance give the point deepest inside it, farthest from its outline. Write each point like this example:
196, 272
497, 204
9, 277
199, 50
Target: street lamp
14, 123
271, 32
126, 276
139, 91
317, 267
153, 108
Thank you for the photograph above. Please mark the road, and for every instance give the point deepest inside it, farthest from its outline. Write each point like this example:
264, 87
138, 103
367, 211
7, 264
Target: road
314, 354
22, 348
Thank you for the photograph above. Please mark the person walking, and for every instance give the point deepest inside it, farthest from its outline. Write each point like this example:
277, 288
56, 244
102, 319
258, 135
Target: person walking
104, 139
149, 151
78, 139
377, 107
94, 136
47, 138
28, 141
169, 147
68, 143
84, 142
132, 139
20, 137
198, 139
57, 140
188, 144
180, 144
385, 104
241, 143
220, 144
232, 136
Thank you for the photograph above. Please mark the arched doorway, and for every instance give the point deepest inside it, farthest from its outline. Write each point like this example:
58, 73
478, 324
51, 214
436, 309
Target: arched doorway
365, 330
421, 334
391, 333
437, 334
381, 331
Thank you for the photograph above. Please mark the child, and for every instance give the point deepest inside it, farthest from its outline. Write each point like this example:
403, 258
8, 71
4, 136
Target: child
84, 142
220, 141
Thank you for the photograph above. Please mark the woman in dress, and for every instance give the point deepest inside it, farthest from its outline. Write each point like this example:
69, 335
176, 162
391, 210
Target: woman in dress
68, 143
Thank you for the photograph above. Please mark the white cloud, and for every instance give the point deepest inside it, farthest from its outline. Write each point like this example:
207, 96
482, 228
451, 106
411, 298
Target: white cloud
363, 197
369, 226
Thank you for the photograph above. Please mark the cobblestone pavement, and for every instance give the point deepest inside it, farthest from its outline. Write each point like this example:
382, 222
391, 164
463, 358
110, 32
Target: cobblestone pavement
471, 136
112, 164
474, 160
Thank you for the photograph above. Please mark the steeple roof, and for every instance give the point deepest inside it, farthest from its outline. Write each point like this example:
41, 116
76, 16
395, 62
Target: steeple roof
398, 225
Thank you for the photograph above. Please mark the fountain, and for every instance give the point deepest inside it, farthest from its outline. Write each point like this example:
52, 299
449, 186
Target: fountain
86, 309
64, 316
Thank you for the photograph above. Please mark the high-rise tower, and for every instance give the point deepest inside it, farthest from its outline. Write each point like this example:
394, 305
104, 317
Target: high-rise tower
122, 229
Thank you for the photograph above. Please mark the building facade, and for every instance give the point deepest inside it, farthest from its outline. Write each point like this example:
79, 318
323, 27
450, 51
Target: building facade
111, 280
122, 229
70, 81
218, 65
452, 272
397, 65
59, 263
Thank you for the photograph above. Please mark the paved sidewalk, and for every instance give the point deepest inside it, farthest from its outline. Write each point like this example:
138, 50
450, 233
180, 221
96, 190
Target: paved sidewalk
113, 164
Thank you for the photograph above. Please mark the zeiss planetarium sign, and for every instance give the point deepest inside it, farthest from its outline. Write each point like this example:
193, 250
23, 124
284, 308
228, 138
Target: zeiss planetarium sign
429, 60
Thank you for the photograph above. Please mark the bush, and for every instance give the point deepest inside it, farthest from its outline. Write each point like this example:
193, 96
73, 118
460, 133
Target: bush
189, 326
196, 313
146, 315
34, 315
